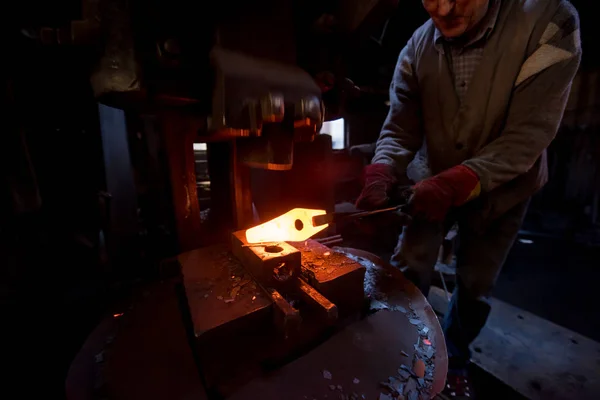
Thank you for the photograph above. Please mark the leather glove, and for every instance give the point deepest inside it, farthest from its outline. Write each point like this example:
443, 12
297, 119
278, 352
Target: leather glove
432, 198
379, 181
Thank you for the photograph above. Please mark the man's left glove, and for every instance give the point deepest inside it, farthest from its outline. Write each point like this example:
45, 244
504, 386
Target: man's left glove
432, 198
379, 181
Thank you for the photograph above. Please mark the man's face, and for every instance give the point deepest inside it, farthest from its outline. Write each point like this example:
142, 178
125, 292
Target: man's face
455, 17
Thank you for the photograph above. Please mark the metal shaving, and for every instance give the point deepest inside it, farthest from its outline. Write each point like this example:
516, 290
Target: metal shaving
356, 381
234, 292
327, 374
414, 321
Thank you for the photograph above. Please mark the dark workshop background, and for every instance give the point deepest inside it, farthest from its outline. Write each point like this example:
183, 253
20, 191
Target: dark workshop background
55, 279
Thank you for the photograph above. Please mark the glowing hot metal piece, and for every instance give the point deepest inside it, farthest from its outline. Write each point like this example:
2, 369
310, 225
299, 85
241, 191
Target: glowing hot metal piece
293, 226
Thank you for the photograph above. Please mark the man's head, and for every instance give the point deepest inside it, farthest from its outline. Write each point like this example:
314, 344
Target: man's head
455, 17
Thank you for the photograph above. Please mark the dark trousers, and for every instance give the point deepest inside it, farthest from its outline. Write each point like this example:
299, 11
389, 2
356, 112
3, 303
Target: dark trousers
480, 257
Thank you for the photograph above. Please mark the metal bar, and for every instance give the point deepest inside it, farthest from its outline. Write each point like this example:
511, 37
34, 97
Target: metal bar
328, 238
311, 296
332, 242
285, 317
335, 217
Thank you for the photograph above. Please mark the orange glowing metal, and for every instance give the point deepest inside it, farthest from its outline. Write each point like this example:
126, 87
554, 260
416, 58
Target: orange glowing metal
293, 226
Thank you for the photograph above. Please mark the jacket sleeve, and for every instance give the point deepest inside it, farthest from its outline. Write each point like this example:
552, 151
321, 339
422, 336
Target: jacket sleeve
401, 135
537, 106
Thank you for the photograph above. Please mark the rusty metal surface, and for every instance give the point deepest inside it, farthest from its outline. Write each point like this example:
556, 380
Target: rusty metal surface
334, 275
178, 137
325, 308
264, 262
218, 289
286, 318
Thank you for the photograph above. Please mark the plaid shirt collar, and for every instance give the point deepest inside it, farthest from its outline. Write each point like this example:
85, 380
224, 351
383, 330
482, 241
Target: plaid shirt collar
485, 28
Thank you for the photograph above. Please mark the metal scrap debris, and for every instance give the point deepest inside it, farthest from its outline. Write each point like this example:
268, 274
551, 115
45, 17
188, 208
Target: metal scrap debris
429, 352
356, 381
415, 384
405, 368
410, 386
404, 374
332, 387
327, 374
419, 368
394, 385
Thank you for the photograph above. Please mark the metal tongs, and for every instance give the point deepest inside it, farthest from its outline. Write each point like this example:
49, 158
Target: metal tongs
336, 217
403, 194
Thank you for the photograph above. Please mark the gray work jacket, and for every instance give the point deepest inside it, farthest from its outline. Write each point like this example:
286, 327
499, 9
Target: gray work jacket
510, 114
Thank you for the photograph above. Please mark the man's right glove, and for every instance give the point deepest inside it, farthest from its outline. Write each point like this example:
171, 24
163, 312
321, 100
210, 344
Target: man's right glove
379, 181
433, 197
